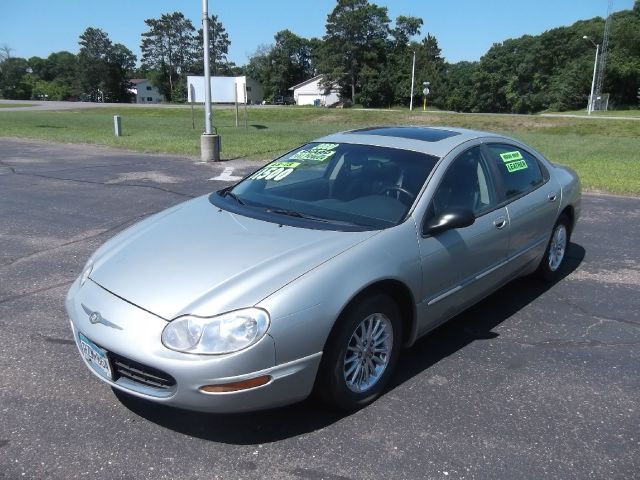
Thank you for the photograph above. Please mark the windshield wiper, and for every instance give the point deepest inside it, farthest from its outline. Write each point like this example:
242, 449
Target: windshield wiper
290, 213
306, 216
229, 193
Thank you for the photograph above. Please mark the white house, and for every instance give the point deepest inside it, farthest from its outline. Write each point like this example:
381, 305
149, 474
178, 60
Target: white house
225, 90
311, 92
145, 92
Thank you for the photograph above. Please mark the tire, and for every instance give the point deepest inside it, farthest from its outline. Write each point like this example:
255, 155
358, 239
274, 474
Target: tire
354, 373
556, 252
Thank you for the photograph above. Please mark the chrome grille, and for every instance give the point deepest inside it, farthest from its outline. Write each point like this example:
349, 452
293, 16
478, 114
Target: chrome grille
139, 373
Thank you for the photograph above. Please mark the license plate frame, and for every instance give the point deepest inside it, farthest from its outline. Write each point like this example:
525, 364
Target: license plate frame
97, 357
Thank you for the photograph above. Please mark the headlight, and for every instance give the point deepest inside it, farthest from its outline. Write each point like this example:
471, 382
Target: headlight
224, 333
86, 271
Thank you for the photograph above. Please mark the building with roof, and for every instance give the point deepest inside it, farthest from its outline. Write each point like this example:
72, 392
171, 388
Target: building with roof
311, 92
144, 92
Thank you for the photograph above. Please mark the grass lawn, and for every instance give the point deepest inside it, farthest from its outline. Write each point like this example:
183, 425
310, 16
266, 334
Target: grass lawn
606, 153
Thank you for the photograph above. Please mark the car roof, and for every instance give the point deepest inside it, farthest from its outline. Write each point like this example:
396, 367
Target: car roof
437, 141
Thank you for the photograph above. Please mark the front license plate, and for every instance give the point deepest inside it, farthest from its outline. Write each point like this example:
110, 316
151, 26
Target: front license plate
95, 356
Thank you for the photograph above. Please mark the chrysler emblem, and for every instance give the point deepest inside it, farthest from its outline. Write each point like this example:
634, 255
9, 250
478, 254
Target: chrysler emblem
95, 317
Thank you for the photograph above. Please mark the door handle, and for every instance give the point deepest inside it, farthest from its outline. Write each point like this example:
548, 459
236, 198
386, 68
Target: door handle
500, 223
552, 197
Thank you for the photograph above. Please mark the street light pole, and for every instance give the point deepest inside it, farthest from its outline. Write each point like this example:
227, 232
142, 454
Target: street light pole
209, 142
207, 73
413, 74
593, 81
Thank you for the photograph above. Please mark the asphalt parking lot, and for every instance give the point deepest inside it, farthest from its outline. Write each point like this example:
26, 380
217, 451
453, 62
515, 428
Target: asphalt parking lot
536, 381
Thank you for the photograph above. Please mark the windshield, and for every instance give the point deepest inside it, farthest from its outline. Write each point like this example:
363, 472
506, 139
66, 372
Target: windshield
333, 185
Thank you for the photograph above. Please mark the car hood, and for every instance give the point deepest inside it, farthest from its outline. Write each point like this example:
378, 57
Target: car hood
198, 259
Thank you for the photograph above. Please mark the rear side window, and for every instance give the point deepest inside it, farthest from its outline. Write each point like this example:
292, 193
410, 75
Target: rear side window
519, 170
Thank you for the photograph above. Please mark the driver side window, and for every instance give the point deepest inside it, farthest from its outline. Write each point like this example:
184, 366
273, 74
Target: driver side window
466, 184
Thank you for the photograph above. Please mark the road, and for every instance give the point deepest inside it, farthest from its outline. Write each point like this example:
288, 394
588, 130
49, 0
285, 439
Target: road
536, 381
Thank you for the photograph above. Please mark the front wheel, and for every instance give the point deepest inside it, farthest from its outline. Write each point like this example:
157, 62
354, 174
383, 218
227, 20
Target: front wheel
361, 353
556, 252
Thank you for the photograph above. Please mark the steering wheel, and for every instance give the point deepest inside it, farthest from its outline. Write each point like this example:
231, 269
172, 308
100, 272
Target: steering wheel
395, 188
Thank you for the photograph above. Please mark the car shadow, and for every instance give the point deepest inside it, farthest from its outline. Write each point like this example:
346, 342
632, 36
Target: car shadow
268, 426
478, 321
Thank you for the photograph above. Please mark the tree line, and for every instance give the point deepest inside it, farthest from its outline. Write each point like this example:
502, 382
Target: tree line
363, 53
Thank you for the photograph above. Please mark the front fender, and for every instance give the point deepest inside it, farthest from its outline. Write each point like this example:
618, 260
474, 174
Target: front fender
304, 311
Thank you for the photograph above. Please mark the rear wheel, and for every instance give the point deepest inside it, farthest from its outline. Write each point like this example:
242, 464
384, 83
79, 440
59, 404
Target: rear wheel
556, 252
361, 353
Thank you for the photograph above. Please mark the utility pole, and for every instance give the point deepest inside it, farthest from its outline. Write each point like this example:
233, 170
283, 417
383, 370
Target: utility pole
413, 75
593, 81
209, 142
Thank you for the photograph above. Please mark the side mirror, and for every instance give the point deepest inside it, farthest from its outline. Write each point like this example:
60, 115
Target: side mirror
448, 220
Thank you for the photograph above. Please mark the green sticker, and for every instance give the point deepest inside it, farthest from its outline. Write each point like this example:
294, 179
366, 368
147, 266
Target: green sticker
326, 146
511, 156
315, 156
285, 164
276, 171
517, 165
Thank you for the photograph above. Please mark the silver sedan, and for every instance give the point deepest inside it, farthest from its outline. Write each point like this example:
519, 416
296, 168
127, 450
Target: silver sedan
315, 271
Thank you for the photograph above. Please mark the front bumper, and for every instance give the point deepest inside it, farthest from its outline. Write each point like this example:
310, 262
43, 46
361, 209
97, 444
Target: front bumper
132, 333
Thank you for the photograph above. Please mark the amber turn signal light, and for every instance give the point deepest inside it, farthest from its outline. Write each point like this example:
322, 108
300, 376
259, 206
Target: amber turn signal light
235, 386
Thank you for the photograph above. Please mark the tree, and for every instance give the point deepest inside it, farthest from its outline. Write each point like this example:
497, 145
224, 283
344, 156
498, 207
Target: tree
103, 68
395, 77
92, 62
354, 44
218, 48
459, 88
169, 49
289, 61
120, 64
406, 27
5, 52
13, 81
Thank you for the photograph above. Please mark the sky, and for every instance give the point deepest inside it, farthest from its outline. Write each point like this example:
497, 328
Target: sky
465, 29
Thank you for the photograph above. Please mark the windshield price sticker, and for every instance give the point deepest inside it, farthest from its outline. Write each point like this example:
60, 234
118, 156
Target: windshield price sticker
326, 146
315, 156
276, 171
285, 164
319, 153
514, 161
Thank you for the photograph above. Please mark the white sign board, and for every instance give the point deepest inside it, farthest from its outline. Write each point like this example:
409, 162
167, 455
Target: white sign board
223, 89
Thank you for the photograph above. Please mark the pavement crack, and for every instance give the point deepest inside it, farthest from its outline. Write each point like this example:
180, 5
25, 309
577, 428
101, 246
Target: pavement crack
559, 342
91, 167
600, 318
77, 240
11, 169
105, 184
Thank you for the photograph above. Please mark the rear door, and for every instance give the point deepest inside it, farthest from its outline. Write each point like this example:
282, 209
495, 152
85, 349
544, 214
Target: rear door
531, 198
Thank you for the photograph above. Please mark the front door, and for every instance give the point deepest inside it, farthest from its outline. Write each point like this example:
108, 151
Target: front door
461, 265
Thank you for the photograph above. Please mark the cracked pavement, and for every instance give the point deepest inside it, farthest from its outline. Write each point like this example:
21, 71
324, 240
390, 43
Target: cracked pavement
535, 381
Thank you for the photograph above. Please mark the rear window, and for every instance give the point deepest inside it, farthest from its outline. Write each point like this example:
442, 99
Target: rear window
519, 170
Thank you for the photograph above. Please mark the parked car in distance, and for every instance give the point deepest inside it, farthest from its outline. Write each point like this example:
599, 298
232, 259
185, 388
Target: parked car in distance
316, 270
284, 100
